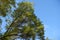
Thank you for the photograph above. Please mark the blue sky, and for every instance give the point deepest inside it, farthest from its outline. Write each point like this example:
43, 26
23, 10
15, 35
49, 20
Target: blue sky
49, 12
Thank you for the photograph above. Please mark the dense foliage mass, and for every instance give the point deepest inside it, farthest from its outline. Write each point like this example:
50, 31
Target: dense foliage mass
5, 6
24, 25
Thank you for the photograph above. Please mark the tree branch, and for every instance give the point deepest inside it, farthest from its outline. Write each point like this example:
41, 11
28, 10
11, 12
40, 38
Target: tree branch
10, 26
9, 35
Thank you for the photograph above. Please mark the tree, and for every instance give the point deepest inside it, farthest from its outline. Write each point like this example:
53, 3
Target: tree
5, 6
47, 38
25, 24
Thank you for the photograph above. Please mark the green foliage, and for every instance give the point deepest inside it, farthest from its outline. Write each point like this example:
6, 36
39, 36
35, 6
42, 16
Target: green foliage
0, 21
5, 6
47, 38
25, 24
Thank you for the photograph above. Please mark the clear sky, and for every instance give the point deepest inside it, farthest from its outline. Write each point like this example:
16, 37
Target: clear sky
49, 12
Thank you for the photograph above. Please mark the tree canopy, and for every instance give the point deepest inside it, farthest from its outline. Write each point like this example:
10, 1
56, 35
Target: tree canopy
5, 6
25, 24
